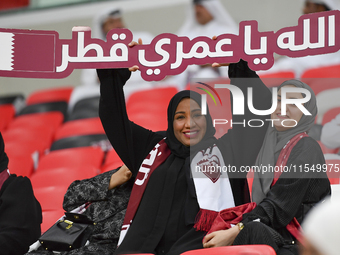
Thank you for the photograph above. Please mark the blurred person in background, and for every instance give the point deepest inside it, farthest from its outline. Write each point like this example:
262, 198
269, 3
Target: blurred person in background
301, 64
312, 6
20, 212
102, 24
204, 18
321, 229
330, 133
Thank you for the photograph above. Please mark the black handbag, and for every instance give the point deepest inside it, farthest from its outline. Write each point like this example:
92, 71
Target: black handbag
67, 234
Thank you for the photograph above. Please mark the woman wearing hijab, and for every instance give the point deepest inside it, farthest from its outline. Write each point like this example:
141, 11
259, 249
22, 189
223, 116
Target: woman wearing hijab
166, 202
105, 196
283, 199
20, 212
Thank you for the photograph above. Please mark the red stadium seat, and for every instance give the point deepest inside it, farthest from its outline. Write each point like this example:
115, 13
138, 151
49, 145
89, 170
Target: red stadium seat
332, 71
321, 84
21, 165
24, 154
250, 180
14, 4
112, 157
150, 115
140, 101
150, 120
234, 250
333, 170
112, 161
80, 127
50, 95
330, 114
111, 166
49, 218
155, 94
7, 113
73, 157
281, 74
52, 119
62, 176
275, 79
51, 197
322, 78
37, 138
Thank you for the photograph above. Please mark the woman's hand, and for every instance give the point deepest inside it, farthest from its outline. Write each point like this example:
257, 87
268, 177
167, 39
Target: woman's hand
221, 238
120, 177
132, 44
218, 64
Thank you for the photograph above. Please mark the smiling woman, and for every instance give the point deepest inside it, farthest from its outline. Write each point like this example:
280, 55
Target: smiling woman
189, 124
293, 113
173, 204
283, 198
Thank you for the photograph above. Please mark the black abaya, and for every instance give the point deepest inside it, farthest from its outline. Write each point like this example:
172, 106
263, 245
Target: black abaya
163, 223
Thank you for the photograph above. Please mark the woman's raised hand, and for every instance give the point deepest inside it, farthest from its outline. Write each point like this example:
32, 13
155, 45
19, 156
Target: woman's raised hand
132, 44
215, 64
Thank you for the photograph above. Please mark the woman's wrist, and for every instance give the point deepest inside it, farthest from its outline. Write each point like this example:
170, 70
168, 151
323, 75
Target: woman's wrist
236, 230
240, 225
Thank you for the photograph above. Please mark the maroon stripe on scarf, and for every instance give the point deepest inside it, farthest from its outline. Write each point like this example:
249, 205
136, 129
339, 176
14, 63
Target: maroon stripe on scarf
156, 157
293, 227
3, 177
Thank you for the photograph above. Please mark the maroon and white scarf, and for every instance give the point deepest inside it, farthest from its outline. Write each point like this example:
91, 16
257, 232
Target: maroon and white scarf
213, 189
212, 185
156, 157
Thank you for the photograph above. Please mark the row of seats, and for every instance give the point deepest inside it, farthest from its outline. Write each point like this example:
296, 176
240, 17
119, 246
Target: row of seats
254, 249
54, 146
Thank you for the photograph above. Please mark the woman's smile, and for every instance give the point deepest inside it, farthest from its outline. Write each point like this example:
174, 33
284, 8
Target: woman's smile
191, 133
189, 124
282, 116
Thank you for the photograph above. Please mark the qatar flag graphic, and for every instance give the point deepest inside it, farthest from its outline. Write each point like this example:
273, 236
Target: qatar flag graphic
27, 52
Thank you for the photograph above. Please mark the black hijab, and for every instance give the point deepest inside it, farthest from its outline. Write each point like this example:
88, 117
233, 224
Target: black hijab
3, 156
176, 146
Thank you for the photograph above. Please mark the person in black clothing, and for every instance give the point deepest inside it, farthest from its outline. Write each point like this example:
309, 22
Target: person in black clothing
20, 212
105, 196
282, 199
169, 212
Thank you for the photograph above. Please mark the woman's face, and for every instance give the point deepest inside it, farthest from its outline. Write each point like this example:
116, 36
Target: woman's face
111, 23
189, 124
292, 112
203, 16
